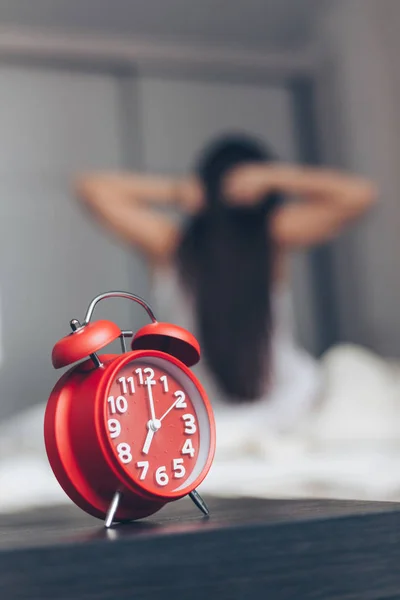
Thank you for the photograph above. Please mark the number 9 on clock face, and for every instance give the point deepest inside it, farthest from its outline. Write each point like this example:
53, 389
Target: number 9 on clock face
159, 426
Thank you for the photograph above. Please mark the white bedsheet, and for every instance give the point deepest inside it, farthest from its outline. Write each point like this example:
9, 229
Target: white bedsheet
348, 448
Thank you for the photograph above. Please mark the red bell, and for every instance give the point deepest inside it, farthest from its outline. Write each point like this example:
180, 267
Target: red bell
173, 340
83, 342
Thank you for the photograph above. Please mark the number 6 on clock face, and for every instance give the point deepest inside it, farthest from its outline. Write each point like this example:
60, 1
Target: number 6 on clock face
161, 430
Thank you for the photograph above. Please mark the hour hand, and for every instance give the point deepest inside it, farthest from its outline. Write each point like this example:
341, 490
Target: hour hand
148, 441
152, 427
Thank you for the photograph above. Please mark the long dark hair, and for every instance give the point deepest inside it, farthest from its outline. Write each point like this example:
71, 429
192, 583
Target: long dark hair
226, 261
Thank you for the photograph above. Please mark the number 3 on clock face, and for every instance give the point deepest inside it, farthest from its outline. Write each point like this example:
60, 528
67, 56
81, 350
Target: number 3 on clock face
159, 425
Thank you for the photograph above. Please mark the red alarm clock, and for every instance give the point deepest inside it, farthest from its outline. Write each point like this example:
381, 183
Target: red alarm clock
127, 433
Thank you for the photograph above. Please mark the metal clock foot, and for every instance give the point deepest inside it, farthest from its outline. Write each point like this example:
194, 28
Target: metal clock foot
199, 502
112, 509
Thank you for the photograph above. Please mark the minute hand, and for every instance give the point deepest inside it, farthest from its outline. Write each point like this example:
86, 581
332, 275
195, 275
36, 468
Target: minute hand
170, 408
149, 383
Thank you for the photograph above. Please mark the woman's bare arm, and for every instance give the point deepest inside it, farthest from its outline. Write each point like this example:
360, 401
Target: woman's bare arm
329, 199
123, 204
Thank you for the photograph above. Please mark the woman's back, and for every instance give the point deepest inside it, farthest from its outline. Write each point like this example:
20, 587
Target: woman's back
293, 379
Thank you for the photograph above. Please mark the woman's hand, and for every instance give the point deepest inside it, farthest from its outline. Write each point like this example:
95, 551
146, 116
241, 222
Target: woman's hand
248, 184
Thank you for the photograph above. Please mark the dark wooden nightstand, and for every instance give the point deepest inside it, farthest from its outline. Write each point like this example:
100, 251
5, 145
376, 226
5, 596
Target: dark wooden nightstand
247, 549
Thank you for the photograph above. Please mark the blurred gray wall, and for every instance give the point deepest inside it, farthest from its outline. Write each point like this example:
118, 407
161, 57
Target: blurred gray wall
54, 260
354, 48
247, 23
57, 123
359, 118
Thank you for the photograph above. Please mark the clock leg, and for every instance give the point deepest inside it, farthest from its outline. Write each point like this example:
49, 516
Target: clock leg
112, 509
199, 502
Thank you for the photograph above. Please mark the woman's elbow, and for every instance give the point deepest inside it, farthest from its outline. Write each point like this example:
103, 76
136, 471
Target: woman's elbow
369, 196
363, 200
84, 188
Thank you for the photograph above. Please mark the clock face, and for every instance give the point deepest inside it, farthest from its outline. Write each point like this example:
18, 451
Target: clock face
158, 425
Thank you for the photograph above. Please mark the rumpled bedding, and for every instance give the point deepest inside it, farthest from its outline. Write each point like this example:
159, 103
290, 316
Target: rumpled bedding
348, 446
